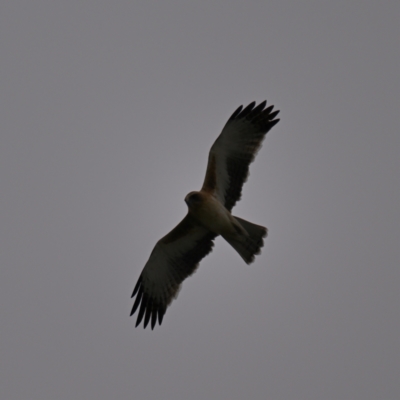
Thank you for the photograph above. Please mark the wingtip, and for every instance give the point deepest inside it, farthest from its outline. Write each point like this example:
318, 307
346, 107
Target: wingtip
137, 286
247, 110
147, 315
137, 301
262, 104
273, 115
236, 113
141, 310
273, 122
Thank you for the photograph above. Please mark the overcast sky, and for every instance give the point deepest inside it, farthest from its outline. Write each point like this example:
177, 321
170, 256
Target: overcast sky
108, 111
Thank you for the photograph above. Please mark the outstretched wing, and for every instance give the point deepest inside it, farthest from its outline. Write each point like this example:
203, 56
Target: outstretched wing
173, 259
234, 150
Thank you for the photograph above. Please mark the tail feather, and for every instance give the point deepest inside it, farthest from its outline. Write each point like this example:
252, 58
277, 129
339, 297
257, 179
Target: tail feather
248, 246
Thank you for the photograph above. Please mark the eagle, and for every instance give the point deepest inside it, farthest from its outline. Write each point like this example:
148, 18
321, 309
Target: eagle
177, 255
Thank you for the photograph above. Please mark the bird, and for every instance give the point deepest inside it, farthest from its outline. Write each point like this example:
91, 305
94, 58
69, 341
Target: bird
176, 256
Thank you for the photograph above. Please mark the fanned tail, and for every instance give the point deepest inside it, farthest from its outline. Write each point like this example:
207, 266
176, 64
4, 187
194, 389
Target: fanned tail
248, 246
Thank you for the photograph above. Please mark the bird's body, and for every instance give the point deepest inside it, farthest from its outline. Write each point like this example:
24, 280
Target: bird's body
208, 211
176, 255
211, 214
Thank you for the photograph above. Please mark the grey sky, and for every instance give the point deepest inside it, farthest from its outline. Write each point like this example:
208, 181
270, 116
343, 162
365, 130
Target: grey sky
108, 111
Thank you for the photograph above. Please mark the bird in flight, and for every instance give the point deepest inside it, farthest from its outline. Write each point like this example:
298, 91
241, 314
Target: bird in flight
177, 255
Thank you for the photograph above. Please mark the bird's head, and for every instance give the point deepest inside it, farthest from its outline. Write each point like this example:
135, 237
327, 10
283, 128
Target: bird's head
193, 199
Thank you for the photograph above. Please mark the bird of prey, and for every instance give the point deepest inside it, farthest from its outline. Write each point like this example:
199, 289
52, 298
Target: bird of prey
177, 255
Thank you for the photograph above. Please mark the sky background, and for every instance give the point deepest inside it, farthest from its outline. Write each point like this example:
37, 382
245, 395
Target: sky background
108, 111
